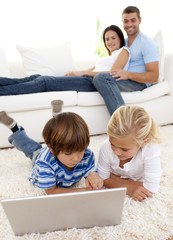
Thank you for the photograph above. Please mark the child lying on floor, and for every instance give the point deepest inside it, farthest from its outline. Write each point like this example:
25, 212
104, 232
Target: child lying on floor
131, 156
65, 160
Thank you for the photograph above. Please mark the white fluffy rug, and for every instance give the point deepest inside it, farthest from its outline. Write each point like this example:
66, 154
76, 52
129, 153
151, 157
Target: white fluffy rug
148, 220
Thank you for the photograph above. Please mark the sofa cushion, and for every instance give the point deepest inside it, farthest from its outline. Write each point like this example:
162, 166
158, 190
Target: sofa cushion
53, 60
155, 91
36, 101
4, 69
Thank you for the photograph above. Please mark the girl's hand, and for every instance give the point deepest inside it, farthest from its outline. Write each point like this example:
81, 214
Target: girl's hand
138, 193
94, 181
119, 74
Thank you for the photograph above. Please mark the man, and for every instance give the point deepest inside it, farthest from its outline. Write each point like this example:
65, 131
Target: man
143, 66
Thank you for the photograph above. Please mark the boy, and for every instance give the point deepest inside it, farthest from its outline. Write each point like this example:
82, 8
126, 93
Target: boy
65, 160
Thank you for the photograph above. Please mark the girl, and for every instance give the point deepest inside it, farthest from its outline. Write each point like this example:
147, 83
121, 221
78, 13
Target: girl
131, 156
80, 81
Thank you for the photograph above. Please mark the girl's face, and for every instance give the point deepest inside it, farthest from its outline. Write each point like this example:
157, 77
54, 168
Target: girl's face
112, 40
125, 148
69, 160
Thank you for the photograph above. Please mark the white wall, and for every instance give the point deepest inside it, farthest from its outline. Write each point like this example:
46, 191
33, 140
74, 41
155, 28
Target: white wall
34, 22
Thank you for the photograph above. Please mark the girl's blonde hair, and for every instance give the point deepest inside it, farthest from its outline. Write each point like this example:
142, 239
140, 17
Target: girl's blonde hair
133, 119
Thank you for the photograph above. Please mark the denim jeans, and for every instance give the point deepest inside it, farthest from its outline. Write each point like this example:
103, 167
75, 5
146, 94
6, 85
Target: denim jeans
25, 144
110, 89
37, 83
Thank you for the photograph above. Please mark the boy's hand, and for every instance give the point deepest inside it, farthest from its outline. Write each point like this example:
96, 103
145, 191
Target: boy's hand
94, 181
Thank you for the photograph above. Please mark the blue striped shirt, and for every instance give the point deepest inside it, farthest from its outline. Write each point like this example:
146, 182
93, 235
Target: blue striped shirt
49, 172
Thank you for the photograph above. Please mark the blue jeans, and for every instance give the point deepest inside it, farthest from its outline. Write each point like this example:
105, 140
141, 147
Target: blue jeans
25, 144
37, 83
110, 89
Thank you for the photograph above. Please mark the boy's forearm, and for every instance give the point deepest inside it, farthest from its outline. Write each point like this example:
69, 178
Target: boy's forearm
56, 190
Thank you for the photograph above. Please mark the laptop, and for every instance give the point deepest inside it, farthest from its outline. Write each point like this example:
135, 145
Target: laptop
49, 213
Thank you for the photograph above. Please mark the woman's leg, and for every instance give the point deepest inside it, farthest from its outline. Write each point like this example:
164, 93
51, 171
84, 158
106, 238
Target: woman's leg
10, 81
69, 83
50, 83
33, 86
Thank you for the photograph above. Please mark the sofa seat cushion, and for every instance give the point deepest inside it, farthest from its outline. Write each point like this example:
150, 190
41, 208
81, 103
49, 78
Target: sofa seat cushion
35, 101
155, 91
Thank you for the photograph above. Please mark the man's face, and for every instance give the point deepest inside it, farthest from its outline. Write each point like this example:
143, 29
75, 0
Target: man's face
131, 23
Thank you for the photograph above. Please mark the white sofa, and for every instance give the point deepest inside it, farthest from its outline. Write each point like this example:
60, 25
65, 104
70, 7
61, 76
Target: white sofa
33, 110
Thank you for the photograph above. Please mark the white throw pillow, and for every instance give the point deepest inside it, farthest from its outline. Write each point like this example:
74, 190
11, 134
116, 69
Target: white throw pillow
55, 60
159, 41
4, 69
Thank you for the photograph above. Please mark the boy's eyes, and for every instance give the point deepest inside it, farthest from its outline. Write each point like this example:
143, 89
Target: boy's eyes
66, 153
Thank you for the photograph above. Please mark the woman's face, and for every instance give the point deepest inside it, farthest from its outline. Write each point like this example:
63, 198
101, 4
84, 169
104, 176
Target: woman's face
112, 40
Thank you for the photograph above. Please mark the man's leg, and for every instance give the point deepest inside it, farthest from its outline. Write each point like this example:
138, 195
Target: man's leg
110, 89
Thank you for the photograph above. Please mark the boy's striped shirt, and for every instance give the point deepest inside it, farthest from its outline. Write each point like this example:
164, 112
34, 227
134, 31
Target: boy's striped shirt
49, 172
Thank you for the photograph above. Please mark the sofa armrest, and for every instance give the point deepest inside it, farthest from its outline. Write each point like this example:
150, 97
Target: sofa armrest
168, 70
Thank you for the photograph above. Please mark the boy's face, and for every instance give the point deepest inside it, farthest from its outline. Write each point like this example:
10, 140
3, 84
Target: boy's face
125, 148
69, 160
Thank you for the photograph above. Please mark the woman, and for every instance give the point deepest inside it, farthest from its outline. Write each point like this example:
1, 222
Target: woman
80, 81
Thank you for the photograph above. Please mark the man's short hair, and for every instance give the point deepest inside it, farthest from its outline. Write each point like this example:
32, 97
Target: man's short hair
132, 9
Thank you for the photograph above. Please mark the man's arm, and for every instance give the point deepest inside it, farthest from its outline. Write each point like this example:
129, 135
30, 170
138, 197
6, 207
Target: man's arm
150, 76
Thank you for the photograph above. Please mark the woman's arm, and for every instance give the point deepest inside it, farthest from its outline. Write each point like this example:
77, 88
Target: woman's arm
121, 60
120, 63
88, 72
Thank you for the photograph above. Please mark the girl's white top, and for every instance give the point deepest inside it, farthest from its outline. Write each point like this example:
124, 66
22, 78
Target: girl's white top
144, 166
106, 63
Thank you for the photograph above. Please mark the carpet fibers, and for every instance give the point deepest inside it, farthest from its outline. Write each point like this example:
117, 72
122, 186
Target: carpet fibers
151, 219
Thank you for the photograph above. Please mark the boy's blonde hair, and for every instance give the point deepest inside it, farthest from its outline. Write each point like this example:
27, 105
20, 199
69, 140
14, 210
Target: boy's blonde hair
66, 132
129, 119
